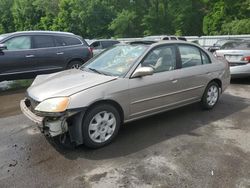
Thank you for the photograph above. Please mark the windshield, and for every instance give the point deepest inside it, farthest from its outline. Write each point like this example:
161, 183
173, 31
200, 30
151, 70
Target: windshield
236, 46
115, 61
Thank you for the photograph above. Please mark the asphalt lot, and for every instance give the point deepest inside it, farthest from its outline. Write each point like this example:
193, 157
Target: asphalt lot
187, 147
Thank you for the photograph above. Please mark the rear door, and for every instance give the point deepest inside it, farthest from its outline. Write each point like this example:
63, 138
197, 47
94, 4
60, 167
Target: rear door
45, 54
194, 74
17, 59
71, 48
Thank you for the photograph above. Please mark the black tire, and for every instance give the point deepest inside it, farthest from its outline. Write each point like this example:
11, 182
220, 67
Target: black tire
206, 104
88, 118
74, 64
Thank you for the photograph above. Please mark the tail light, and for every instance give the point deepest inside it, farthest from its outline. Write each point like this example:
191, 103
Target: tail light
246, 58
90, 51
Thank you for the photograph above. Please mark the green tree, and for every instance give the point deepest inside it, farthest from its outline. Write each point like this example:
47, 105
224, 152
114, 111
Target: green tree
226, 13
25, 15
236, 27
49, 10
157, 20
6, 24
123, 25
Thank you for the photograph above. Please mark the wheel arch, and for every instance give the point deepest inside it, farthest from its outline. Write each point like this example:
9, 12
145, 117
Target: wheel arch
76, 132
218, 81
110, 102
74, 59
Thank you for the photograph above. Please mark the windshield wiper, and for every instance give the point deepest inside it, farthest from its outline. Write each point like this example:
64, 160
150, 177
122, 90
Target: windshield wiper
99, 72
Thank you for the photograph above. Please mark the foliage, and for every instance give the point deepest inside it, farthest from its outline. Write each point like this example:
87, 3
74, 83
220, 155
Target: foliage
127, 18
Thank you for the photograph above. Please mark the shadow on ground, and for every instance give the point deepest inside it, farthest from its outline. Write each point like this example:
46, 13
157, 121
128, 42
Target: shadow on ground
244, 81
144, 133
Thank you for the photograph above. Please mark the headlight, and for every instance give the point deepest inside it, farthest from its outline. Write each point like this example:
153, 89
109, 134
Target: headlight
53, 105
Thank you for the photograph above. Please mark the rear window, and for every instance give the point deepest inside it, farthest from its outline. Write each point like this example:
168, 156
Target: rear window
43, 41
67, 41
182, 38
190, 56
173, 38
236, 46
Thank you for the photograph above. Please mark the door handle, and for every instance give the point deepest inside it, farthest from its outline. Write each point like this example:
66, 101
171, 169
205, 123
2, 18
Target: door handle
59, 53
29, 56
174, 81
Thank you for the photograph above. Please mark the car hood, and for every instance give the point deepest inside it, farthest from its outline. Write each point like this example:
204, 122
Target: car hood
65, 83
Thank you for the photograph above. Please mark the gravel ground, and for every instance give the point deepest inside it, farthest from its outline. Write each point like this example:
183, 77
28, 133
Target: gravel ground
187, 147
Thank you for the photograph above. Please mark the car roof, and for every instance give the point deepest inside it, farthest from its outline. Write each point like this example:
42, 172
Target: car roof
40, 32
153, 43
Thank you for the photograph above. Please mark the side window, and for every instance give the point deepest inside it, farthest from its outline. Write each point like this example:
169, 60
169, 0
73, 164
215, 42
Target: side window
190, 56
107, 44
43, 41
173, 38
19, 43
70, 41
161, 59
67, 41
205, 58
96, 45
166, 38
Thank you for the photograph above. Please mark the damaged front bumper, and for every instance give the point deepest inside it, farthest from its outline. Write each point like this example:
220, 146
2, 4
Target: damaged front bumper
50, 126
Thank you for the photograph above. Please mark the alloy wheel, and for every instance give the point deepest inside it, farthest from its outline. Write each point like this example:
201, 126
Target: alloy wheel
102, 126
212, 95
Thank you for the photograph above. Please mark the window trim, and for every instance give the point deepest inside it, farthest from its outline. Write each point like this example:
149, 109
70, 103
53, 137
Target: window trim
13, 37
200, 51
210, 62
54, 37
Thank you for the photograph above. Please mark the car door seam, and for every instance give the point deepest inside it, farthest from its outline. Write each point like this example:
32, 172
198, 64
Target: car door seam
165, 95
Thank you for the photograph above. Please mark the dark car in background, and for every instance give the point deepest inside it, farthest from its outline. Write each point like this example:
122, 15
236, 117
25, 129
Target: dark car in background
27, 54
100, 45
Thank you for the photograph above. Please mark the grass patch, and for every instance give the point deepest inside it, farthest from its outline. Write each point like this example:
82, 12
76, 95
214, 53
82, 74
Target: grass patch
17, 84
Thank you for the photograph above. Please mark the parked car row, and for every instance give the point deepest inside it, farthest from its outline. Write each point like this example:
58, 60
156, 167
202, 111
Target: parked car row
25, 55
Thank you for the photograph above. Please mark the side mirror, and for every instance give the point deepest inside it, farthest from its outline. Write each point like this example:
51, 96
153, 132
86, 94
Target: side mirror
143, 71
3, 47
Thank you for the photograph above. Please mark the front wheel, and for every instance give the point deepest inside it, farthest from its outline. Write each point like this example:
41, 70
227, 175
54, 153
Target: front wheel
210, 96
100, 125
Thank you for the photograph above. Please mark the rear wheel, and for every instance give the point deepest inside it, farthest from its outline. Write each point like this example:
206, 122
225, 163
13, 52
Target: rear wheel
100, 125
74, 65
211, 95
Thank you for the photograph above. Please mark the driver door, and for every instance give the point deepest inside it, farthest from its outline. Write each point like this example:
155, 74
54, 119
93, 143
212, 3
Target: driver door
155, 93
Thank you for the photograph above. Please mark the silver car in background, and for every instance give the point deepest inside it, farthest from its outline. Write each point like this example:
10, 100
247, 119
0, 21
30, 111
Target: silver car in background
100, 45
123, 84
237, 53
